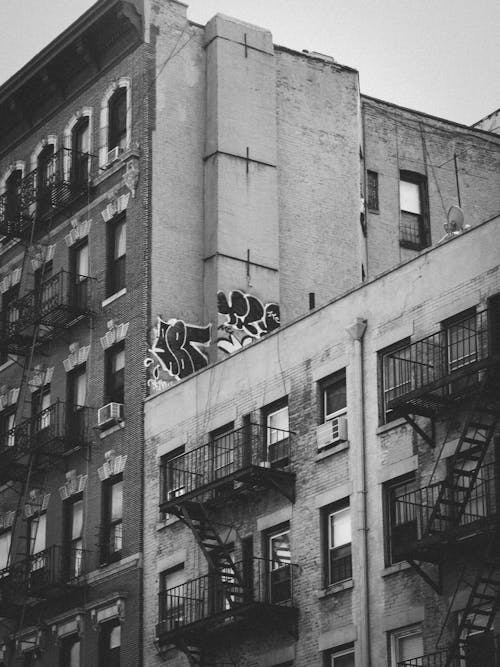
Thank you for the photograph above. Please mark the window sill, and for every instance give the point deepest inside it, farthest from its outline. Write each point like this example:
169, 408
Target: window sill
394, 569
333, 589
330, 451
8, 363
374, 211
112, 429
161, 525
113, 297
110, 169
112, 569
388, 427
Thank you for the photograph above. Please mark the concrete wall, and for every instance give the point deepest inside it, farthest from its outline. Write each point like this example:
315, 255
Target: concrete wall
444, 281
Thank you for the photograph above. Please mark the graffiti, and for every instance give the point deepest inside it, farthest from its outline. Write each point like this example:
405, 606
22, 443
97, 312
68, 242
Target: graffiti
246, 319
178, 349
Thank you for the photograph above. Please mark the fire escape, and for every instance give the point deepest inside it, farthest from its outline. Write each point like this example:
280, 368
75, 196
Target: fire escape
48, 305
253, 592
455, 374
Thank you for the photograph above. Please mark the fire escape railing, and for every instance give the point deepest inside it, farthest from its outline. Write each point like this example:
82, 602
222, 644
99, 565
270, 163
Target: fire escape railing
433, 363
64, 177
414, 512
59, 301
252, 445
481, 650
210, 597
53, 431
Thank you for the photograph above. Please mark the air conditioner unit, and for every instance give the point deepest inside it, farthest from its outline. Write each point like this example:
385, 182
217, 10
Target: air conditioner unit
109, 414
332, 432
113, 154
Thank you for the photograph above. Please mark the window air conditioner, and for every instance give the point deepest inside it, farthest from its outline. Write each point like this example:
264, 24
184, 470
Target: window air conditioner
332, 431
109, 414
113, 154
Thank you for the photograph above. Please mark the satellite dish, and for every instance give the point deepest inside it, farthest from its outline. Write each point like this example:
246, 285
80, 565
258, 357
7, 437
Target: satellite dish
455, 222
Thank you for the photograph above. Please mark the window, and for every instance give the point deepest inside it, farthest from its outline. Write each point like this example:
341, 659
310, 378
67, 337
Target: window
117, 242
115, 374
401, 528
333, 396
173, 597
406, 644
223, 445
117, 128
279, 563
414, 220
41, 409
109, 644
173, 476
45, 176
395, 372
37, 531
70, 651
7, 430
73, 543
13, 191
5, 537
337, 539
10, 316
80, 153
461, 341
342, 656
79, 262
32, 657
76, 400
372, 190
112, 520
277, 432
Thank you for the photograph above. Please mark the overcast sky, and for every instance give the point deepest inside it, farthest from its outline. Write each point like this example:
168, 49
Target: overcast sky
438, 56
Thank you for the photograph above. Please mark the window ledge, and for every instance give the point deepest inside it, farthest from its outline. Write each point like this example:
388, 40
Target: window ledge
114, 568
109, 170
8, 363
335, 449
336, 588
161, 525
394, 569
114, 297
111, 430
388, 427
375, 211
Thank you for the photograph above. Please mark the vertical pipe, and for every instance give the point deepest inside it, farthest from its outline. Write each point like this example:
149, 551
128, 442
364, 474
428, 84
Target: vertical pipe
358, 453
456, 178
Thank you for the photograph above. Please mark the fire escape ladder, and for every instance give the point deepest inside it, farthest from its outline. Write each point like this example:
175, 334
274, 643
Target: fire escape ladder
216, 552
476, 435
482, 604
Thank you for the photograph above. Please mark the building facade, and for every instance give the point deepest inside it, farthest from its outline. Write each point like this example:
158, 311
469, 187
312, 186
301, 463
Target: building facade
328, 495
169, 194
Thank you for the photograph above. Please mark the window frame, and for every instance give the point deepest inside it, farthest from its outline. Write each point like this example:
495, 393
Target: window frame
108, 524
80, 159
335, 380
112, 392
117, 136
3, 532
402, 633
331, 654
116, 279
67, 644
372, 191
73, 555
105, 656
282, 574
329, 548
270, 442
385, 415
421, 218
222, 458
7, 427
389, 490
177, 610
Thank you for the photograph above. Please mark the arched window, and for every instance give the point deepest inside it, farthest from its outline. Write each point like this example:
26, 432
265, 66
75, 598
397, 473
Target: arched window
117, 127
13, 196
45, 177
80, 143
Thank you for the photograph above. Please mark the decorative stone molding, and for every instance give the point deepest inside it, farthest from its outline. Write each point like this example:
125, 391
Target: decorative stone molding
116, 205
38, 502
8, 396
78, 355
74, 484
41, 254
50, 139
80, 231
84, 112
131, 176
101, 614
10, 279
13, 166
115, 334
69, 626
113, 465
40, 376
7, 519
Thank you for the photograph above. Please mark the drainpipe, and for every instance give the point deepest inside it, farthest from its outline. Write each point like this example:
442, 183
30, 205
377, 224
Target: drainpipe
357, 438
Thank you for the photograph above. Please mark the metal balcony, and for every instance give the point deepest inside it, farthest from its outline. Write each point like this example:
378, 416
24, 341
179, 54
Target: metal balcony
58, 570
64, 178
480, 650
187, 613
440, 369
58, 303
48, 435
237, 461
419, 533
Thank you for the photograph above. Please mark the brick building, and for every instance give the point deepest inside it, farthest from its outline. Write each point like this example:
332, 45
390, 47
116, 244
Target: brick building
169, 193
